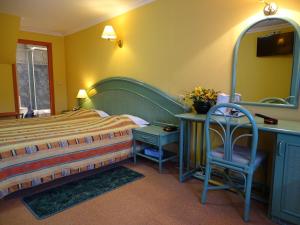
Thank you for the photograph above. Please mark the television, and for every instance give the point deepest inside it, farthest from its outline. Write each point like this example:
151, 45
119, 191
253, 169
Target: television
275, 44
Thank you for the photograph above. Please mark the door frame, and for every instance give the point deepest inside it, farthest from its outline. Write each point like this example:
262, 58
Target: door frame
48, 45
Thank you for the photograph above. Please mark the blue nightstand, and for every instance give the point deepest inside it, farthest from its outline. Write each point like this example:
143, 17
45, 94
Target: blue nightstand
156, 137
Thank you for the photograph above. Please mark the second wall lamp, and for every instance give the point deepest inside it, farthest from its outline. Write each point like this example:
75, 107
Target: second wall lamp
110, 34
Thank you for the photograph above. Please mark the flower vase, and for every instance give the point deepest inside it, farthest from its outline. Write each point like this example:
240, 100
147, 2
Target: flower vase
201, 107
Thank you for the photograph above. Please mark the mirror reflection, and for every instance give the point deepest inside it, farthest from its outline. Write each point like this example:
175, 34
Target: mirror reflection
265, 63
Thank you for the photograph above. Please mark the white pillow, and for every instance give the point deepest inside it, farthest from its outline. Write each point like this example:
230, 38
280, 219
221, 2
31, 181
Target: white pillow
102, 113
137, 120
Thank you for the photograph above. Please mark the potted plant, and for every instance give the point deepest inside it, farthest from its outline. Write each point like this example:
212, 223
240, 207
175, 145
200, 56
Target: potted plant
202, 99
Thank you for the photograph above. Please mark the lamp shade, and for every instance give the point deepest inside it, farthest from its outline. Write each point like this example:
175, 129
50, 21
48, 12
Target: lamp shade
109, 33
82, 94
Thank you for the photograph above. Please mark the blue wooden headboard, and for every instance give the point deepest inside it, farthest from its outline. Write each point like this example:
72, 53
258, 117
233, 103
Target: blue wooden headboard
122, 95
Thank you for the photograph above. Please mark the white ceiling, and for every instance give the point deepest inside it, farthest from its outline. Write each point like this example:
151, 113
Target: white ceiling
62, 17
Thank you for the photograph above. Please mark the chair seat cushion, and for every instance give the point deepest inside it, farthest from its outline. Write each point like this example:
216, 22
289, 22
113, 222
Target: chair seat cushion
240, 155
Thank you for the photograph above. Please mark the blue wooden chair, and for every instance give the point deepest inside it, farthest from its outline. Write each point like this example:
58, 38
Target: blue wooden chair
231, 157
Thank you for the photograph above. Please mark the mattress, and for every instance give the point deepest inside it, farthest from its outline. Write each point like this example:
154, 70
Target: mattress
39, 150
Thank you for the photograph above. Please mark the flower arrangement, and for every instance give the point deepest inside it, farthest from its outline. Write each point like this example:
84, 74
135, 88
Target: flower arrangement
202, 97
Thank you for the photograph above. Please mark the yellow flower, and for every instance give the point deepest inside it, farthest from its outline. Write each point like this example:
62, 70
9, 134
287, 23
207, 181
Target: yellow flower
202, 94
198, 89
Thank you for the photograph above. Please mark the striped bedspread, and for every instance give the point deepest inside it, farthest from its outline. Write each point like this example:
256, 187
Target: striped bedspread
38, 150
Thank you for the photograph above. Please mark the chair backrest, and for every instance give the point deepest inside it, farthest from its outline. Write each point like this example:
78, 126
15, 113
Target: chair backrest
275, 100
225, 120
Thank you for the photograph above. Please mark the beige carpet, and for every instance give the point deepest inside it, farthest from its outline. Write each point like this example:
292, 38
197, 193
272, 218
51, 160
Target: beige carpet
157, 199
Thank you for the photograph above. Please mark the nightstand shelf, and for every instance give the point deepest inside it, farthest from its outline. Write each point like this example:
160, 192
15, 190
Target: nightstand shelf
166, 157
155, 136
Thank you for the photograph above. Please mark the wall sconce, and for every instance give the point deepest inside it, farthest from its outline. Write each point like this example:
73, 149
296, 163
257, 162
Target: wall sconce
92, 92
270, 8
110, 34
80, 96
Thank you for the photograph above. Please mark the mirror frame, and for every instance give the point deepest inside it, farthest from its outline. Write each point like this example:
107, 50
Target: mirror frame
295, 67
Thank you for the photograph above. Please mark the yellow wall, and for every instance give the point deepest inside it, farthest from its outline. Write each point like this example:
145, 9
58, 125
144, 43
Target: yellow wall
9, 27
7, 103
269, 76
59, 74
171, 44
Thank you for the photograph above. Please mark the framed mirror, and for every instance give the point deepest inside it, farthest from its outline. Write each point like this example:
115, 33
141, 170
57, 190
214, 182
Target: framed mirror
266, 64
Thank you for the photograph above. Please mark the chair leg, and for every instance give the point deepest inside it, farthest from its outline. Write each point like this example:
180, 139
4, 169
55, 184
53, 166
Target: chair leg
205, 188
248, 197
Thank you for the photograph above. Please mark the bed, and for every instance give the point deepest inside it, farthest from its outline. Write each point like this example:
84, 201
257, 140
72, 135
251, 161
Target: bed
41, 150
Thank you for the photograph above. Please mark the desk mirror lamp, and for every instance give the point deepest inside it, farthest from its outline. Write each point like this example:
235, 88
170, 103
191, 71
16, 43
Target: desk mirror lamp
266, 64
267, 52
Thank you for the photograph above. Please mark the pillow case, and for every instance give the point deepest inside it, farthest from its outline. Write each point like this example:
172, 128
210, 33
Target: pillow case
101, 113
137, 120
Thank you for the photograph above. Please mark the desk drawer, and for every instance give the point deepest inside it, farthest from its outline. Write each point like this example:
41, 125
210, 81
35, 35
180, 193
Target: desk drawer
146, 138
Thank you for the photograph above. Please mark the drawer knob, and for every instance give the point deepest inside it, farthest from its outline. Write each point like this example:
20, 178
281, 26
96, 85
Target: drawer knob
280, 149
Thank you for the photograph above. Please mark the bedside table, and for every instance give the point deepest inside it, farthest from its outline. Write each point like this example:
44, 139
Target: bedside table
157, 137
65, 111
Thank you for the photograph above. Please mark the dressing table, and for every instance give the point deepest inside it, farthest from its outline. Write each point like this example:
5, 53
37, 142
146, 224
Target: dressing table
268, 51
264, 78
284, 200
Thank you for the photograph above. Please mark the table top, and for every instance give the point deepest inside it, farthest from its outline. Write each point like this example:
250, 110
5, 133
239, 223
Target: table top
283, 126
155, 130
